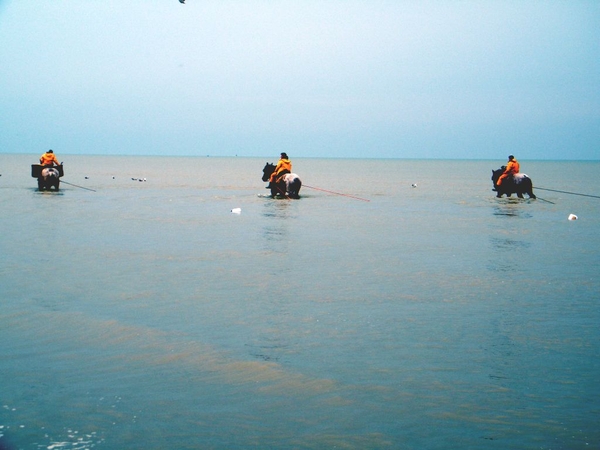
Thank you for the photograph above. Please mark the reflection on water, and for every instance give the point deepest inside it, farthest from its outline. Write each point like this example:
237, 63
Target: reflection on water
500, 348
507, 239
276, 229
512, 207
506, 257
281, 208
507, 243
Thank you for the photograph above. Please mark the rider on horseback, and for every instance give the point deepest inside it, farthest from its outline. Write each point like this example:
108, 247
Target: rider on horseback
284, 165
49, 159
512, 168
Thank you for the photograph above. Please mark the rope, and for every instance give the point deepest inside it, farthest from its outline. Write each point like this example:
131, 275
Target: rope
71, 184
567, 192
336, 193
282, 192
544, 200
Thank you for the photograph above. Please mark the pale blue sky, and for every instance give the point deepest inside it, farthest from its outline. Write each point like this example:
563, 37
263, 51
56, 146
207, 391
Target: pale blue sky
387, 79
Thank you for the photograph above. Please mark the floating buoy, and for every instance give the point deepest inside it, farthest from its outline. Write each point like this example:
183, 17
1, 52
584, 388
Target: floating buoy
236, 210
572, 217
414, 185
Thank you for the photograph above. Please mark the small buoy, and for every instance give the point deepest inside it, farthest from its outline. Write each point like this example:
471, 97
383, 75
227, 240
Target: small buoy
572, 217
236, 210
87, 178
414, 185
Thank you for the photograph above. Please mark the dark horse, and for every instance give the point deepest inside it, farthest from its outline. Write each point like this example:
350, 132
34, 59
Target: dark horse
517, 184
287, 186
48, 177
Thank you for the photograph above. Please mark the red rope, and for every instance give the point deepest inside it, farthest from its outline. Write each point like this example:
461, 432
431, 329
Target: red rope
336, 193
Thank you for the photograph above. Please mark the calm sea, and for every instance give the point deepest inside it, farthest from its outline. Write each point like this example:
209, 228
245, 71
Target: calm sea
146, 315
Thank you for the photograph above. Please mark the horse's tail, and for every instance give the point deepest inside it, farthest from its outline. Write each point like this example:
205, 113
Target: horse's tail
530, 188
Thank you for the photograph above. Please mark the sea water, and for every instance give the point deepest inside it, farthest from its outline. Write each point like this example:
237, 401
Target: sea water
397, 304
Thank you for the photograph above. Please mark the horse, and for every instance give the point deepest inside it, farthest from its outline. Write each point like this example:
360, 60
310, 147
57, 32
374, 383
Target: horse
287, 186
48, 178
518, 184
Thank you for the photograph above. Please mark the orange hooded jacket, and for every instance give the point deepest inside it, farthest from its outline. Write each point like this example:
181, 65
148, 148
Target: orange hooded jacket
48, 158
512, 167
282, 164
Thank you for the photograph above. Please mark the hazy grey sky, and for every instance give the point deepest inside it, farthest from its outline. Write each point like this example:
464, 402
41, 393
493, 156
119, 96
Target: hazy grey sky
377, 78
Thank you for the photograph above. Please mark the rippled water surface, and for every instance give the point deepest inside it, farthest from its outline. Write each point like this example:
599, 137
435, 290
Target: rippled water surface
145, 314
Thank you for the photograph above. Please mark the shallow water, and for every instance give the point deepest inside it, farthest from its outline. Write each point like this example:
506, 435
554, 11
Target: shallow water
144, 314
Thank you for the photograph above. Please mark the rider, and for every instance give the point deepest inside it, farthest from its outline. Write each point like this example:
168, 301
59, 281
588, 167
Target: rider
512, 168
49, 159
284, 165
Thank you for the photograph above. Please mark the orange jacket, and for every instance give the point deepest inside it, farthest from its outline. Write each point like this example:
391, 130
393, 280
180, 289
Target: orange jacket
48, 158
512, 167
283, 164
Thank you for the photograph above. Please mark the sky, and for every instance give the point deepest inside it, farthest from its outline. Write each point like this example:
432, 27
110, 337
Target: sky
313, 78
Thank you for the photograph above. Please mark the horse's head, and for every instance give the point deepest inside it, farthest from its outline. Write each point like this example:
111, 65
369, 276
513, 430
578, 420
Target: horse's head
267, 171
496, 174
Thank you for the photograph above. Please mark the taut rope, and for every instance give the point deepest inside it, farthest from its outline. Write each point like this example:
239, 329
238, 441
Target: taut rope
336, 193
567, 192
71, 184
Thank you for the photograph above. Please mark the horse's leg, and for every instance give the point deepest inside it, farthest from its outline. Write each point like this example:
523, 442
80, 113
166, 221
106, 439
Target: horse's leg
295, 190
520, 194
275, 189
280, 188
